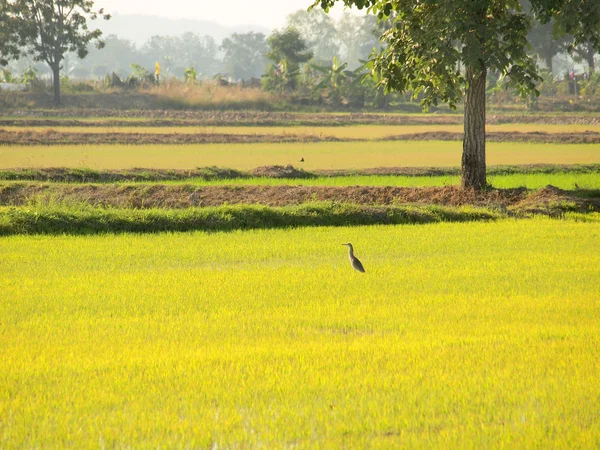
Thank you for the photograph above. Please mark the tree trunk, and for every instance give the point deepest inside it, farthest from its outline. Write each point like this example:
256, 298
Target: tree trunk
590, 58
56, 82
549, 62
473, 158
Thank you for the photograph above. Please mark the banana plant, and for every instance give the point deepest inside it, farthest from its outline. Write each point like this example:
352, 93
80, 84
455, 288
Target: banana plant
279, 77
334, 79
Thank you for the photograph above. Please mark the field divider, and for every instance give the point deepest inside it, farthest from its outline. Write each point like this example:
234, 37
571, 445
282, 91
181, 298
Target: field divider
87, 175
57, 220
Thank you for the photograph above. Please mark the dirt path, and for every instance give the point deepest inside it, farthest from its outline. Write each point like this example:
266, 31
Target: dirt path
52, 137
47, 118
74, 175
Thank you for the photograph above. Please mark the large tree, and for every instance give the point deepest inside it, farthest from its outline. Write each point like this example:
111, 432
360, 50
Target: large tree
288, 51
245, 55
357, 36
546, 43
431, 39
318, 31
9, 46
584, 52
49, 29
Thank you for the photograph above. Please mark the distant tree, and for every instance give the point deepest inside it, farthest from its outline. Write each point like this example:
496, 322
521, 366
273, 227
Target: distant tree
176, 53
49, 29
245, 55
116, 56
545, 43
9, 46
163, 49
585, 52
430, 39
357, 37
288, 51
545, 39
197, 51
578, 20
318, 32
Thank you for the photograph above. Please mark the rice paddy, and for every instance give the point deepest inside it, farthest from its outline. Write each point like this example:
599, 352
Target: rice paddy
328, 155
477, 335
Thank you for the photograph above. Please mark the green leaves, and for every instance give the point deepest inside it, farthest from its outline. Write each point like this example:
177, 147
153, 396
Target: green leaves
48, 29
427, 43
9, 48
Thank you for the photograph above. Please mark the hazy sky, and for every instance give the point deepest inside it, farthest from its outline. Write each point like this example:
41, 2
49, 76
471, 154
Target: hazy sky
268, 13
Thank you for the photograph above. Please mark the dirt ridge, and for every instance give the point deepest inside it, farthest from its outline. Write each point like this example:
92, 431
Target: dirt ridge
53, 137
143, 196
249, 118
85, 175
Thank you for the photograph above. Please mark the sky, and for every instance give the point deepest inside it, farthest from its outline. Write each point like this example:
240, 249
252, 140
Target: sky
268, 13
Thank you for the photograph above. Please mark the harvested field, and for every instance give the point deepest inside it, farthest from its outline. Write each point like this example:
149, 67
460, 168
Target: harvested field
80, 117
550, 200
53, 137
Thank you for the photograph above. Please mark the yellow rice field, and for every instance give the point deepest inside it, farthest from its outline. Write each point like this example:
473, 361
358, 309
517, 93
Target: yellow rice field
478, 335
331, 155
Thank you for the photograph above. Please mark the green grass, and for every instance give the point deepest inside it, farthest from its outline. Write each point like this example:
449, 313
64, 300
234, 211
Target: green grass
333, 155
80, 218
478, 335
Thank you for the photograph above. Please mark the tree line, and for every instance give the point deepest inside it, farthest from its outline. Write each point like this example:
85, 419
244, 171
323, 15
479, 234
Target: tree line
241, 56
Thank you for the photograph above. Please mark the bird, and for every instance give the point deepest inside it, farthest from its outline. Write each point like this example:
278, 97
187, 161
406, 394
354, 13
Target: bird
353, 259
302, 160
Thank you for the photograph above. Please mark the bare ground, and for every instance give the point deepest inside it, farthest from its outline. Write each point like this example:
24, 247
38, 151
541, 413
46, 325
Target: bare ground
52, 137
78, 175
513, 201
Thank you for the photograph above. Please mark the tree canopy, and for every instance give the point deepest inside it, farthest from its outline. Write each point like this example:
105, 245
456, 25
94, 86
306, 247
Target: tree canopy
431, 40
245, 55
49, 29
318, 31
288, 45
9, 45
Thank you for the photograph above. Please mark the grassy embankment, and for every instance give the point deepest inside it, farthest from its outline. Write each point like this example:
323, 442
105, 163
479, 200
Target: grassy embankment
486, 333
79, 218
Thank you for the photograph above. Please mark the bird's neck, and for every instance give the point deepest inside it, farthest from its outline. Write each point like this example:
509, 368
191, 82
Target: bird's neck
350, 252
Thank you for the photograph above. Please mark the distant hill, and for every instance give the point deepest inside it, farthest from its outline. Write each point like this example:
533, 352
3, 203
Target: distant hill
139, 28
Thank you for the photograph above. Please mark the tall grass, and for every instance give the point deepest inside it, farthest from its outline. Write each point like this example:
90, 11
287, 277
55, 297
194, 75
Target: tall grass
211, 95
479, 335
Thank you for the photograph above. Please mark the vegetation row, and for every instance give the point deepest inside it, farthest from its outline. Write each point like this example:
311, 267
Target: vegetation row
87, 175
56, 219
87, 220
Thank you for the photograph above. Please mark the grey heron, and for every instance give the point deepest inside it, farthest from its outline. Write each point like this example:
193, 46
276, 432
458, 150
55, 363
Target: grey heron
353, 259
